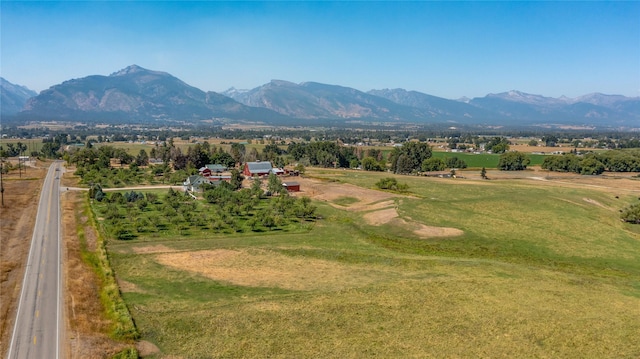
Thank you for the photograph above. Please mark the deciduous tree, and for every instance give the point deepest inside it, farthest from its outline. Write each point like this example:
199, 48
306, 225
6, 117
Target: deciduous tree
513, 161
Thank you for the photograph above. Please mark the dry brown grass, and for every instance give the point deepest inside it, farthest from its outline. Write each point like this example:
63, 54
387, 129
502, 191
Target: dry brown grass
17, 219
262, 268
87, 326
455, 310
544, 149
158, 248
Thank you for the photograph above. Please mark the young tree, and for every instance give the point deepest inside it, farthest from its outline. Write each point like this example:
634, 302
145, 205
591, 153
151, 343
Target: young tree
274, 185
143, 158
237, 152
236, 179
300, 168
256, 187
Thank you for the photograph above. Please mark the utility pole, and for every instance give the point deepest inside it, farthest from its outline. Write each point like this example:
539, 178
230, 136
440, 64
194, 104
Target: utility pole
1, 183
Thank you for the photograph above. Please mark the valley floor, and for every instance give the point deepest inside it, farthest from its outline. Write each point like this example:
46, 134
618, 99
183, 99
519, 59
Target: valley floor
522, 265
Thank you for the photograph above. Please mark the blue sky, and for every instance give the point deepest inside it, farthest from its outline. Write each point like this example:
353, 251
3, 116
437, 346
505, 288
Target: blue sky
447, 49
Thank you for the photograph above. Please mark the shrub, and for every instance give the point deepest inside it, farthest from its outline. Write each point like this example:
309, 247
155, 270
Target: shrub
631, 214
392, 184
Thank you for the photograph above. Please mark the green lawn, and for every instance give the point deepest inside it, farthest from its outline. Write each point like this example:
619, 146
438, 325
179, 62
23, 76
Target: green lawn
540, 271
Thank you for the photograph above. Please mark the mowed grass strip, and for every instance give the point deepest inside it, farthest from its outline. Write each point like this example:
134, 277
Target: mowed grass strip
539, 272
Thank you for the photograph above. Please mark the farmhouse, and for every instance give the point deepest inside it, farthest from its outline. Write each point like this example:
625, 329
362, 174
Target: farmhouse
257, 168
291, 186
193, 183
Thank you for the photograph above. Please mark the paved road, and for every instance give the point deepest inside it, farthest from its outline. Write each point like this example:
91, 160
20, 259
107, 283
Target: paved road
39, 321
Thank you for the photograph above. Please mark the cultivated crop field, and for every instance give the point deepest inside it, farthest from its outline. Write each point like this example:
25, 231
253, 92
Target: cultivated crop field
509, 268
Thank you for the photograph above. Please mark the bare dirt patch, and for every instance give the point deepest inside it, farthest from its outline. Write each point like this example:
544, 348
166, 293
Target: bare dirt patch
380, 205
381, 217
331, 191
17, 218
146, 348
261, 268
594, 202
430, 231
158, 248
390, 215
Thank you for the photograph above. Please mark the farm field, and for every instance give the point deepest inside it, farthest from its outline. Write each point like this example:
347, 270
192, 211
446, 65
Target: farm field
488, 160
513, 267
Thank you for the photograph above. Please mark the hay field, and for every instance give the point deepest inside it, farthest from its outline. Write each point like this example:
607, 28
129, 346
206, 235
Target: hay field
533, 269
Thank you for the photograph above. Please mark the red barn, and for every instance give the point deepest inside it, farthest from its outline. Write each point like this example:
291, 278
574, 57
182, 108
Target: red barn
292, 186
257, 168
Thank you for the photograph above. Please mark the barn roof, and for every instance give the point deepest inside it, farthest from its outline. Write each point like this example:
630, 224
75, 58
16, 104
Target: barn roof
216, 167
259, 167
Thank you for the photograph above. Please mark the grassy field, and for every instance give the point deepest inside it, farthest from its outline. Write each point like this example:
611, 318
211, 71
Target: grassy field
32, 144
488, 160
543, 269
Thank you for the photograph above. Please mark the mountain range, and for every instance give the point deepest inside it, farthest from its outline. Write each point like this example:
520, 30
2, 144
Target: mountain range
135, 94
13, 97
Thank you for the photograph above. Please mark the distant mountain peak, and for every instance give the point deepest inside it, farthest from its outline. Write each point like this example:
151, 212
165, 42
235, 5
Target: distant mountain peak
282, 83
232, 91
13, 97
137, 94
134, 69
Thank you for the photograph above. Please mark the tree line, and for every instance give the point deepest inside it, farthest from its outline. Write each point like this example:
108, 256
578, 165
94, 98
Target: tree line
594, 163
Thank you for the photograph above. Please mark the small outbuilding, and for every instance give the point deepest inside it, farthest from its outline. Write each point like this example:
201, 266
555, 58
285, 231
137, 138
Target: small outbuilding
277, 171
291, 186
212, 170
